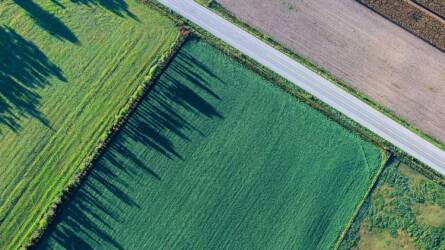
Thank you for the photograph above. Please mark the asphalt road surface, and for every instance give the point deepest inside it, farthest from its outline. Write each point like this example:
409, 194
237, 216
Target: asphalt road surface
311, 82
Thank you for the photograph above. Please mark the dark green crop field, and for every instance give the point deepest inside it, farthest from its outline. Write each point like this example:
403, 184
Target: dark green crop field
217, 157
67, 68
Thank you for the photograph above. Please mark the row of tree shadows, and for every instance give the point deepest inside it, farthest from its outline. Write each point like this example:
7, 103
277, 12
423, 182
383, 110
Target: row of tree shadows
53, 25
24, 67
86, 219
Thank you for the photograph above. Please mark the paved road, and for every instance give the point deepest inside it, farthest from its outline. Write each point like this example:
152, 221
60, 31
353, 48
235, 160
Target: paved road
311, 82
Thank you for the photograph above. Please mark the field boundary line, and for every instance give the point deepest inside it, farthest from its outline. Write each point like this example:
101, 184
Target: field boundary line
221, 11
434, 7
300, 94
409, 26
366, 158
386, 157
124, 114
427, 9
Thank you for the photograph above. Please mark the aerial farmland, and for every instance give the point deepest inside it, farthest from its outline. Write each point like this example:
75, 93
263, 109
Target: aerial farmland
67, 70
282, 160
366, 52
164, 124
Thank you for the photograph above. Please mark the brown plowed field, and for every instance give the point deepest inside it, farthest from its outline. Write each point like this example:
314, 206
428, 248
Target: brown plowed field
381, 60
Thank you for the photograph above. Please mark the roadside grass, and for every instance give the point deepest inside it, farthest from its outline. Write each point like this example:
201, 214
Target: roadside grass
205, 3
406, 209
414, 163
67, 70
215, 156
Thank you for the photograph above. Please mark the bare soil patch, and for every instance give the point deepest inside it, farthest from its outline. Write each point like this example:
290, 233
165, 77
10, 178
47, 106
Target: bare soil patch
380, 59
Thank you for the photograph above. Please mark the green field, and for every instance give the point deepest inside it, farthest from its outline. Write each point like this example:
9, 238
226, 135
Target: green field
217, 157
66, 70
204, 2
405, 211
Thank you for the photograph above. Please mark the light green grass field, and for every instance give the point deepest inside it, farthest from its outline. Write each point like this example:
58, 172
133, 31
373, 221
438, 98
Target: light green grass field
66, 69
216, 157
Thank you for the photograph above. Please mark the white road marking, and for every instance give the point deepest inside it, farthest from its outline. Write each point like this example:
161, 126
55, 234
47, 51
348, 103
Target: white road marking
314, 84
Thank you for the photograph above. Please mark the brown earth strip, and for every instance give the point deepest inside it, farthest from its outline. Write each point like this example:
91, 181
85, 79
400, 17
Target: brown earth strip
412, 17
436, 6
369, 53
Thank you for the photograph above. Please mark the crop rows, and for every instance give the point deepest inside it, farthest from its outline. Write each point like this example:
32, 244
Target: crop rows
436, 6
68, 69
216, 156
408, 15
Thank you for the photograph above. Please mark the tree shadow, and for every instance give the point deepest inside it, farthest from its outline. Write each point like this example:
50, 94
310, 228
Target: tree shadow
54, 26
24, 69
47, 21
167, 114
159, 118
118, 7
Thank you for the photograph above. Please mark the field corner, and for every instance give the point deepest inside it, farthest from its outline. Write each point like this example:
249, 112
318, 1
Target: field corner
386, 160
407, 159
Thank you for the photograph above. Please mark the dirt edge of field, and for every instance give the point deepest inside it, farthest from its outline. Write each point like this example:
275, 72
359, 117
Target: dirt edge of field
413, 18
435, 6
216, 7
309, 99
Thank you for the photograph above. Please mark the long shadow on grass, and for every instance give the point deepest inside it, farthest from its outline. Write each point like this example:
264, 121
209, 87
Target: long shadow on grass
47, 21
54, 26
24, 69
168, 113
118, 7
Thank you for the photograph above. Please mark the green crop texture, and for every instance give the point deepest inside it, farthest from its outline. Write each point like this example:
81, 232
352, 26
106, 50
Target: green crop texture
217, 157
66, 70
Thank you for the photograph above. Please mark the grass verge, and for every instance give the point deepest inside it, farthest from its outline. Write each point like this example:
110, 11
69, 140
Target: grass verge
290, 178
214, 6
301, 94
